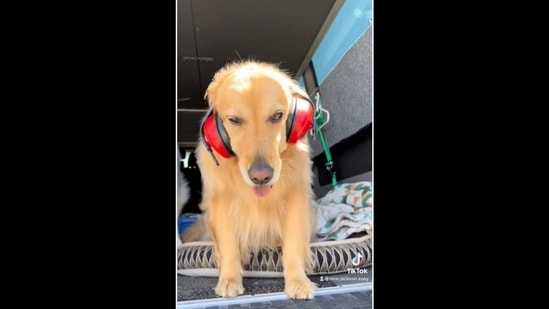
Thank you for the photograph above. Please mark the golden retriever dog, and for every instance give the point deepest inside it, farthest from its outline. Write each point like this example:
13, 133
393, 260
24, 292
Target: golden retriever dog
256, 174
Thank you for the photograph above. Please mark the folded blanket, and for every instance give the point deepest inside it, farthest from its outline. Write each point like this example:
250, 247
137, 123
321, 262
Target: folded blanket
345, 210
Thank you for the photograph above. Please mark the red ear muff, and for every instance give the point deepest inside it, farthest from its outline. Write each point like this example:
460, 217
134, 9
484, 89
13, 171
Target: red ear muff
215, 136
300, 119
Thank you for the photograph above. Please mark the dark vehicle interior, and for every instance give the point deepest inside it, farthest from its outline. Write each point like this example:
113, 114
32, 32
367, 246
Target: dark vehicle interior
211, 33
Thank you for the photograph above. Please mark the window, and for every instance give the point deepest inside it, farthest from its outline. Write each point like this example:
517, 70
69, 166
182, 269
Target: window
352, 21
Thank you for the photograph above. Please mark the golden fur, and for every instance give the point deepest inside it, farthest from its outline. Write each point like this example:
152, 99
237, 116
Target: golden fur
238, 220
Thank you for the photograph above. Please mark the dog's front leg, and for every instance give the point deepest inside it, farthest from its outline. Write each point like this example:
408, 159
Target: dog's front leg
227, 254
296, 247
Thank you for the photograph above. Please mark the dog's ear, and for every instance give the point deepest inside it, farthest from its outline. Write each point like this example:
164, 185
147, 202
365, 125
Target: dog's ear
295, 88
211, 93
213, 87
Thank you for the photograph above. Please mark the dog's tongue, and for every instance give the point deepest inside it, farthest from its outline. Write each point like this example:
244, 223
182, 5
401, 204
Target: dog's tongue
262, 190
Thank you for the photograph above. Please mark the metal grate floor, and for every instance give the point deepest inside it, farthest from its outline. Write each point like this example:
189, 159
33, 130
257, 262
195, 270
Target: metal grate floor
337, 291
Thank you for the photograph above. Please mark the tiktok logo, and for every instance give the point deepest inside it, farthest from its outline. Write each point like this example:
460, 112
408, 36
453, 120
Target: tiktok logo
358, 259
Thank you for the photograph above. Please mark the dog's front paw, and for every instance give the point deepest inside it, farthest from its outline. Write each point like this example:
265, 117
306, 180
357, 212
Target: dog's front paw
229, 287
300, 288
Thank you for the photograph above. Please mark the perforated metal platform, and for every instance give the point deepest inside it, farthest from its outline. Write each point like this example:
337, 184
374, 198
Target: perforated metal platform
343, 290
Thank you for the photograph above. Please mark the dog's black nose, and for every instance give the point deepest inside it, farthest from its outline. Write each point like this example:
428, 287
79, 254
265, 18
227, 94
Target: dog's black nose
260, 172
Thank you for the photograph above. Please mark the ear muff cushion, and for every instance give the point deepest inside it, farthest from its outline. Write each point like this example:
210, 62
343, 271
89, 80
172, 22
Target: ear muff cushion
300, 119
223, 135
215, 136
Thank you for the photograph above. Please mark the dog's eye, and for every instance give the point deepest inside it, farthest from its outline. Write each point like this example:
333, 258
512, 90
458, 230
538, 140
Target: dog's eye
276, 117
235, 120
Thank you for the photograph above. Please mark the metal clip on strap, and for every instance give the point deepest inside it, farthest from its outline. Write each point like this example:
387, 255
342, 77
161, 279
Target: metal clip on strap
319, 124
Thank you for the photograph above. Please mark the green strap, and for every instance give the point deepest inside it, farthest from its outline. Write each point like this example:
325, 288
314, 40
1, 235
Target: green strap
320, 121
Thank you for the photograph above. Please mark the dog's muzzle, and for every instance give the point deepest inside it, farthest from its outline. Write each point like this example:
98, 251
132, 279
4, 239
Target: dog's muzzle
260, 173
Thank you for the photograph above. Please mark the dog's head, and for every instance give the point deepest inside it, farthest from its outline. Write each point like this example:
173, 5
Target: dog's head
257, 110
